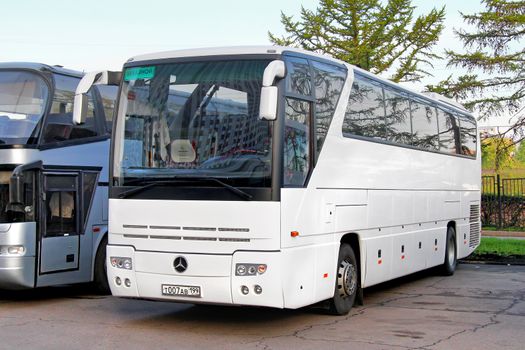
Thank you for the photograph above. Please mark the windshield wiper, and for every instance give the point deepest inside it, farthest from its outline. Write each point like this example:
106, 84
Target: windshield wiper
179, 179
134, 190
233, 189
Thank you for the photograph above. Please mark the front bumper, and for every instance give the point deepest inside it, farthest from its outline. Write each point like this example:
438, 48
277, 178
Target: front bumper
18, 272
214, 274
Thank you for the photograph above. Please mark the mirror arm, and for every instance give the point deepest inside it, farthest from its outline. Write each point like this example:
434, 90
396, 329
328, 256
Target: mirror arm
16, 186
275, 70
269, 93
93, 78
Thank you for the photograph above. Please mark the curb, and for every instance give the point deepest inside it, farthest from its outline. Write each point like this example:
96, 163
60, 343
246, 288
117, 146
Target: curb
509, 234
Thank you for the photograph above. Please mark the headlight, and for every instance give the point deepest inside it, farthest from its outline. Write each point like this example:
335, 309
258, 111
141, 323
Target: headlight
12, 250
249, 269
121, 263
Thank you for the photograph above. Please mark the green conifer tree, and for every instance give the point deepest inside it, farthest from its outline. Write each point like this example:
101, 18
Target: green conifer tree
494, 60
381, 37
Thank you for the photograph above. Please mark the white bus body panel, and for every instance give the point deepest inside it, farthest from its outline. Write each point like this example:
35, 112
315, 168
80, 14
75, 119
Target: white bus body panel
397, 202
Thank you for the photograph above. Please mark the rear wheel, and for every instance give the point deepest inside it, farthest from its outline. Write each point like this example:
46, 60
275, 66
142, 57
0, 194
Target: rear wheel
346, 283
449, 266
101, 276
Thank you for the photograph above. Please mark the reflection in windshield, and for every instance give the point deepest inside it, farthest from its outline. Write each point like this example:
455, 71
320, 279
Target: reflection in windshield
23, 97
194, 119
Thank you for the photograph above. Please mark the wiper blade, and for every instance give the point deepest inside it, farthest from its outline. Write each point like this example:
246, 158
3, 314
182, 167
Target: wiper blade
233, 189
174, 180
135, 190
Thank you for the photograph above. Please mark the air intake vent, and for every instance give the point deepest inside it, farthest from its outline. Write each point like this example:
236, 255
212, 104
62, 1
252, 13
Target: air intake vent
475, 226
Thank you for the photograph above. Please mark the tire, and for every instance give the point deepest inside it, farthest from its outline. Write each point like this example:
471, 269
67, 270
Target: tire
451, 253
100, 273
346, 283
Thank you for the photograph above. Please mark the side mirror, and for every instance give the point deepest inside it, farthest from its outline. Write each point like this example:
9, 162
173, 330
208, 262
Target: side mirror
80, 106
268, 105
16, 186
269, 92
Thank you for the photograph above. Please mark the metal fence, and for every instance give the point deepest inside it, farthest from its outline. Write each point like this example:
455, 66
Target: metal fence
503, 201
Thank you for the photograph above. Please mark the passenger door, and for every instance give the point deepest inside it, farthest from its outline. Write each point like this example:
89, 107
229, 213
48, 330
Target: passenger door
60, 228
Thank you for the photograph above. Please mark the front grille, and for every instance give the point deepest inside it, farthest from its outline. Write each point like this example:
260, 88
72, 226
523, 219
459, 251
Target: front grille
475, 226
145, 230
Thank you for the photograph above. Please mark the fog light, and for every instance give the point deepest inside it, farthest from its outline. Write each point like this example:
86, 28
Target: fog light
16, 250
257, 289
118, 281
252, 270
12, 250
127, 282
241, 270
245, 290
261, 269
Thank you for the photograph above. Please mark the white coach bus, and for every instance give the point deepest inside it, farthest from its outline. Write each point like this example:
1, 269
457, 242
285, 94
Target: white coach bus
53, 178
277, 177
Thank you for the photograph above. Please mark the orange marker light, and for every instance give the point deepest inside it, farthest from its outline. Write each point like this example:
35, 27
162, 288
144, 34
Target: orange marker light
325, 275
96, 229
294, 233
436, 248
402, 257
379, 261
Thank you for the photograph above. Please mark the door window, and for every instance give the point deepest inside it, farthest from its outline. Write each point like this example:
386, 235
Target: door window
296, 142
61, 205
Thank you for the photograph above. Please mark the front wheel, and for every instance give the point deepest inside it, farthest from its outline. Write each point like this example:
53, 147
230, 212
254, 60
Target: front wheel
100, 273
449, 266
346, 283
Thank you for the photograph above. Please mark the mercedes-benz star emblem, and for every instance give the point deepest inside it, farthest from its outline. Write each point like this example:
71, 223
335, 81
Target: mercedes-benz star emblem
180, 264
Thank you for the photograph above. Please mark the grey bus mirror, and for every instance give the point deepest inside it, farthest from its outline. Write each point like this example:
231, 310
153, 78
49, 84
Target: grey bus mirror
269, 93
80, 106
16, 186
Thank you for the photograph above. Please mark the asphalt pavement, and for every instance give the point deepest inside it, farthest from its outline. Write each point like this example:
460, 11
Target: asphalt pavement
480, 307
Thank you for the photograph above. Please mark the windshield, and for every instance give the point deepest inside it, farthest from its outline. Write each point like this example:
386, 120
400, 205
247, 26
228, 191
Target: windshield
196, 119
23, 98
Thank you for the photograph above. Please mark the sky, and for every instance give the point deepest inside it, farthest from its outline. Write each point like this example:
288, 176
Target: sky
103, 34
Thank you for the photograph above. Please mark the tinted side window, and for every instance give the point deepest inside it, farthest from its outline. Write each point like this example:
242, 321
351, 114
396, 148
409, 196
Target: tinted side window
448, 132
298, 78
108, 94
59, 123
424, 126
468, 136
296, 145
398, 126
328, 82
365, 114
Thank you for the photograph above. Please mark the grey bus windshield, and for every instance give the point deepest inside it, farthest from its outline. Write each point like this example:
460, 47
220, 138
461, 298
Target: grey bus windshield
23, 99
197, 119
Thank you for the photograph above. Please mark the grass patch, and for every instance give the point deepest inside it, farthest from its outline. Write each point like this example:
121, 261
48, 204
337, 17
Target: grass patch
501, 246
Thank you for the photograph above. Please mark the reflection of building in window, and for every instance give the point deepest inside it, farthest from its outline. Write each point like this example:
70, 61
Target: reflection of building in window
296, 146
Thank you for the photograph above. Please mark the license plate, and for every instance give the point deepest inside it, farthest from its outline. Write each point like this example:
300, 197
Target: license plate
182, 291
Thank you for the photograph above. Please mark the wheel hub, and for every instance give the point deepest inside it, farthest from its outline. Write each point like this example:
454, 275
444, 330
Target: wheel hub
346, 279
451, 251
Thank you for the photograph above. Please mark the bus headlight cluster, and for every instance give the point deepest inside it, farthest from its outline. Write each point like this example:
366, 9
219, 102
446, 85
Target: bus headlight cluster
249, 269
121, 263
12, 250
